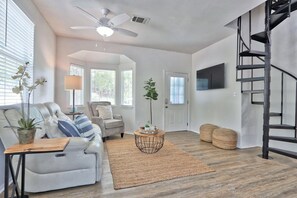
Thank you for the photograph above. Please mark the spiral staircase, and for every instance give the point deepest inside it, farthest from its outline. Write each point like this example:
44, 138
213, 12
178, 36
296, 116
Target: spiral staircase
251, 62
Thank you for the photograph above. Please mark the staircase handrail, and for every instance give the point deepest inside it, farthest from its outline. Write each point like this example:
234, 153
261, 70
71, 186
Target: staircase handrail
287, 73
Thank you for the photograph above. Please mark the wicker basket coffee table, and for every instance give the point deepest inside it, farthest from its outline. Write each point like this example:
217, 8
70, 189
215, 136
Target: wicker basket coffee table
149, 143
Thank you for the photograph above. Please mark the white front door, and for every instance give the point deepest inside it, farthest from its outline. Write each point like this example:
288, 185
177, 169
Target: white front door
176, 101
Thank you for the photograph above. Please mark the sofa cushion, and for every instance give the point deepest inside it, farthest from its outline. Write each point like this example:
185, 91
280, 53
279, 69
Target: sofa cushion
68, 128
113, 123
105, 111
85, 126
51, 128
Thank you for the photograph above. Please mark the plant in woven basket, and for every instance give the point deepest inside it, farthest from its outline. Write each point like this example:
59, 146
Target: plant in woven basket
151, 94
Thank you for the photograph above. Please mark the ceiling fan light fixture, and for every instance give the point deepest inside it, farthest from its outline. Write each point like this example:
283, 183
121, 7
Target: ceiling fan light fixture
104, 31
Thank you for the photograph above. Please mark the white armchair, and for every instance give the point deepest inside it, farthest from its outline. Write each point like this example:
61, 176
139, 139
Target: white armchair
108, 127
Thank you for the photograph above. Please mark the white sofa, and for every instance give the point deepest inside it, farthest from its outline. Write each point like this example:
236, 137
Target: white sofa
80, 163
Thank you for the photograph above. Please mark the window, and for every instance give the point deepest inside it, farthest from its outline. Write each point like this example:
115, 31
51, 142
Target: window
16, 48
79, 94
177, 90
127, 87
103, 85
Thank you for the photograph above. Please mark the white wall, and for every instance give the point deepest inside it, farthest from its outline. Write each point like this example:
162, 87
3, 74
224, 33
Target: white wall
149, 63
219, 106
44, 61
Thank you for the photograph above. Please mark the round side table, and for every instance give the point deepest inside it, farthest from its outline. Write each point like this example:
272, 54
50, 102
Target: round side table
149, 143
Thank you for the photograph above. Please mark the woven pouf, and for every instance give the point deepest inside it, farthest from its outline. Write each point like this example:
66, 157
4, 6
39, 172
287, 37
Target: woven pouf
206, 132
224, 138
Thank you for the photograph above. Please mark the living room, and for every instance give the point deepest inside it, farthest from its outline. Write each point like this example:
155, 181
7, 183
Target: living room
177, 39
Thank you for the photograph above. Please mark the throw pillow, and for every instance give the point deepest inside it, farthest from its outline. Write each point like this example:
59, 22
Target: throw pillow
62, 116
85, 126
51, 128
105, 111
68, 128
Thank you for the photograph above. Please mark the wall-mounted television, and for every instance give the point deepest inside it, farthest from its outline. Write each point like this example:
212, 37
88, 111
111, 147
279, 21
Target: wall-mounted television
211, 77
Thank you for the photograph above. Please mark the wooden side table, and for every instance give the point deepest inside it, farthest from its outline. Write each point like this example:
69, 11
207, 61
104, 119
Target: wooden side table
73, 114
38, 146
149, 143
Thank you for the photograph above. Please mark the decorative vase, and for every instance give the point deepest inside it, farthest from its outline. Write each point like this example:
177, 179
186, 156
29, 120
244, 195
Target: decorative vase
26, 136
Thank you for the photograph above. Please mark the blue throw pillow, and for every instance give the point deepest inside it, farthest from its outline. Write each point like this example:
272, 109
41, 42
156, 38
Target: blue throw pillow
68, 128
84, 126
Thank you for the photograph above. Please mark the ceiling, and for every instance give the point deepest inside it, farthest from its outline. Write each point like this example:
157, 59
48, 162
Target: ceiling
100, 57
183, 26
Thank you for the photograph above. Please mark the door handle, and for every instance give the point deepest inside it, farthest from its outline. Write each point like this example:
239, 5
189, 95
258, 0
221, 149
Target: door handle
166, 107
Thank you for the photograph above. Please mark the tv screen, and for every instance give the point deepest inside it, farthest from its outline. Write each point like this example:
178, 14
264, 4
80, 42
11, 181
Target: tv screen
211, 77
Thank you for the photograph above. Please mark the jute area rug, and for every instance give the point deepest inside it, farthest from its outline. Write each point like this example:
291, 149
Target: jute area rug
130, 167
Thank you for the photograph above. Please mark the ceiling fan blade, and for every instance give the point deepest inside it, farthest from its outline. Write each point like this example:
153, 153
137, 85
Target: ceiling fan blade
87, 14
119, 19
125, 32
83, 28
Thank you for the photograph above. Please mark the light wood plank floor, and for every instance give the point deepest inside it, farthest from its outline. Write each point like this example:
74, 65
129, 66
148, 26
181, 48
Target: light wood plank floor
239, 173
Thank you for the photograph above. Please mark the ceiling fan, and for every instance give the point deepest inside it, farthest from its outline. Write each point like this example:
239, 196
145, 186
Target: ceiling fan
105, 26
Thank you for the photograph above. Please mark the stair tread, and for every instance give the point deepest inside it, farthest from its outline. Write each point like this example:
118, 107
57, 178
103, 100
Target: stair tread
284, 8
281, 126
257, 102
256, 66
278, 4
284, 152
252, 53
250, 79
261, 37
253, 91
277, 19
283, 138
274, 114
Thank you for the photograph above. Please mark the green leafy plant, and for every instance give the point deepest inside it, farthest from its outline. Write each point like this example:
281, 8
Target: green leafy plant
24, 89
151, 94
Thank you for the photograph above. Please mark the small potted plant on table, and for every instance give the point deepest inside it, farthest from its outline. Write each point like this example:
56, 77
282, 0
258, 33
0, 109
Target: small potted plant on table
27, 128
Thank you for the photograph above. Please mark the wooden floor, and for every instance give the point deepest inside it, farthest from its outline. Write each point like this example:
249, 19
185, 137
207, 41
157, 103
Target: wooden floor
239, 173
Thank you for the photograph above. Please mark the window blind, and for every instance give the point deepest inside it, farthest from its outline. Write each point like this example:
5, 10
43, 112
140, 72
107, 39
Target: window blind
2, 22
16, 48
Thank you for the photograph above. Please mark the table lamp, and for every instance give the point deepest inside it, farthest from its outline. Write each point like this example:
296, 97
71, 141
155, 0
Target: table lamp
74, 83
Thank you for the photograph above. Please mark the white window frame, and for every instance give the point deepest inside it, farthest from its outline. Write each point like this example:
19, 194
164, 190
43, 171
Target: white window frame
122, 87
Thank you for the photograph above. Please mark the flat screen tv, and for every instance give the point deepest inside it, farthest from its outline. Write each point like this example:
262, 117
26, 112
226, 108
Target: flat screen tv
211, 77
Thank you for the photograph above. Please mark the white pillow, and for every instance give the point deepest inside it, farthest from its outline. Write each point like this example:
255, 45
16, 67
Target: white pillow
51, 128
62, 116
105, 111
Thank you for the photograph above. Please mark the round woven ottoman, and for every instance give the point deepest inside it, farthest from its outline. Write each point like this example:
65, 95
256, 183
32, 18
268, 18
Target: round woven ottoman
206, 132
224, 138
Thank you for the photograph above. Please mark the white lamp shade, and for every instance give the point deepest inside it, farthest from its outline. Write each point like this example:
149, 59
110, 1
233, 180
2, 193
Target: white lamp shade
73, 82
104, 31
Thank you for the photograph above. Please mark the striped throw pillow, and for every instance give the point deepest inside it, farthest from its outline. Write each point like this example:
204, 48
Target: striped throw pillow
84, 126
68, 128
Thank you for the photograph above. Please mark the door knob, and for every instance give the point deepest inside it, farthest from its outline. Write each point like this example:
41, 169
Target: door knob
166, 107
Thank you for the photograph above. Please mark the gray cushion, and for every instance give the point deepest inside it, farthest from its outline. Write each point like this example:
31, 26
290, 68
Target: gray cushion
113, 123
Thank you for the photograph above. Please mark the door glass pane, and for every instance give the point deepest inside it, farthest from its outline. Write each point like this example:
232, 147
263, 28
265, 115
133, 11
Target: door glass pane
177, 90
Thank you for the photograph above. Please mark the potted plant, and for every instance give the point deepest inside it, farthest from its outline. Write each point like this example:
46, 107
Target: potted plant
27, 128
151, 94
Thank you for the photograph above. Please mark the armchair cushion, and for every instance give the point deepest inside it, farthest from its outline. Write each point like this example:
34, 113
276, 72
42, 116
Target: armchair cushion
68, 128
85, 127
104, 111
113, 123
